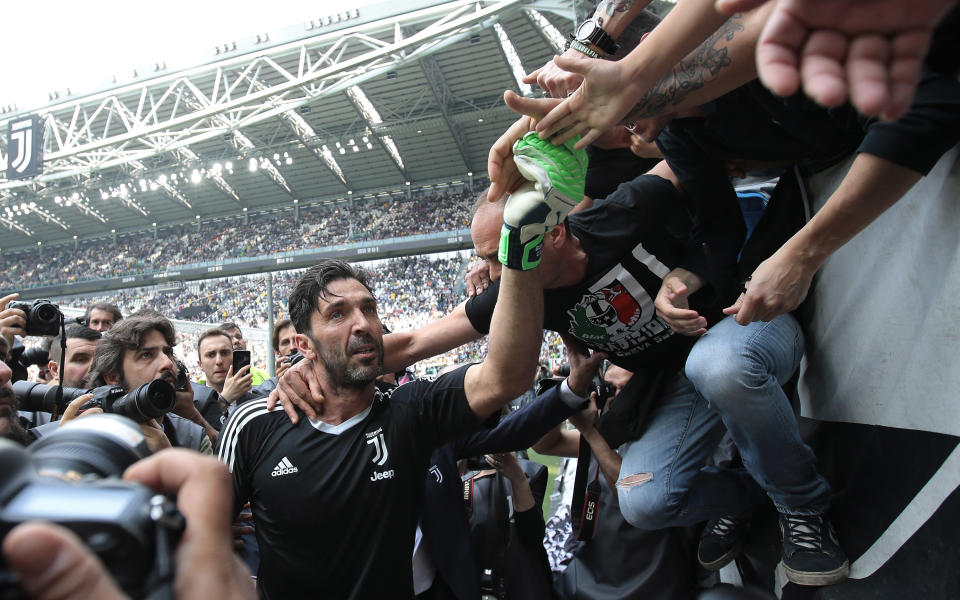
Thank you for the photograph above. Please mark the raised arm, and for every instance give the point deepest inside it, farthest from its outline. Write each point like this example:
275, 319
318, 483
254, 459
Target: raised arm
610, 89
400, 350
556, 177
515, 336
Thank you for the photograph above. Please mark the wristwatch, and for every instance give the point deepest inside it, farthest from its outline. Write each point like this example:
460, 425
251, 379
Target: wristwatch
590, 32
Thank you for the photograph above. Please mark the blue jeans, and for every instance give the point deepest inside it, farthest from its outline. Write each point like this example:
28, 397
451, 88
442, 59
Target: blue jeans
733, 382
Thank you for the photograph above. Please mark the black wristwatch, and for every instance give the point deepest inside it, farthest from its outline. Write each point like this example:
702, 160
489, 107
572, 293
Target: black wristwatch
590, 32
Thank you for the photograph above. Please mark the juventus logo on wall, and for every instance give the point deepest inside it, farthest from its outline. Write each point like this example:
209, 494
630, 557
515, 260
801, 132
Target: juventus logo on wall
24, 147
380, 446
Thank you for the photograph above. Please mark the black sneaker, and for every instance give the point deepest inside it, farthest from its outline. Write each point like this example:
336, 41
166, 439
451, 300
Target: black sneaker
722, 541
811, 553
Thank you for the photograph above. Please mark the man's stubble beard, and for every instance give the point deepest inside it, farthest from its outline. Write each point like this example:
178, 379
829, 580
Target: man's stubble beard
337, 366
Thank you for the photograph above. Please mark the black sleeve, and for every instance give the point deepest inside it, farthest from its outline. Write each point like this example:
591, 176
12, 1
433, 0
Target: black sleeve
443, 413
607, 169
530, 528
479, 308
518, 430
930, 127
650, 210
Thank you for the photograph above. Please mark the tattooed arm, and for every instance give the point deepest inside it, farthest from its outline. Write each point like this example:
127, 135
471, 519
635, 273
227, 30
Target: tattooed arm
611, 89
723, 62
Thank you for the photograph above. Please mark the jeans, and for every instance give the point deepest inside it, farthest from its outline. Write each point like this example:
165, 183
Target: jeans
733, 381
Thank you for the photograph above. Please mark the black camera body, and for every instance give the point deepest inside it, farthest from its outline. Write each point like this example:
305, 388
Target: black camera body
183, 375
605, 391
294, 358
43, 316
149, 401
72, 478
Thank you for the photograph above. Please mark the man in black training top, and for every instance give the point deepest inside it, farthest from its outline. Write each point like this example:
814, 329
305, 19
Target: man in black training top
336, 500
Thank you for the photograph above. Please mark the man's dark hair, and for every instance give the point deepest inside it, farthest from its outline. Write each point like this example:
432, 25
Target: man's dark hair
313, 286
277, 328
228, 326
75, 331
127, 335
213, 332
104, 306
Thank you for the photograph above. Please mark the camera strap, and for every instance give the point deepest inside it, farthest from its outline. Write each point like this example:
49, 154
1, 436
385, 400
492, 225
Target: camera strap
468, 491
58, 404
586, 497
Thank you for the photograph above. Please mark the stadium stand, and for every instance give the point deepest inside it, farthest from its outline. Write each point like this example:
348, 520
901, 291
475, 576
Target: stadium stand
268, 234
411, 291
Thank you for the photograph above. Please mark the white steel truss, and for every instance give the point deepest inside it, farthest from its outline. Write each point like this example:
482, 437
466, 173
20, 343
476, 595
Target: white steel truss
170, 112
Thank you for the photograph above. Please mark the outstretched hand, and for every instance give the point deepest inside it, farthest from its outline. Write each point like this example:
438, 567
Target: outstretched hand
554, 80
605, 97
298, 388
776, 287
870, 51
673, 306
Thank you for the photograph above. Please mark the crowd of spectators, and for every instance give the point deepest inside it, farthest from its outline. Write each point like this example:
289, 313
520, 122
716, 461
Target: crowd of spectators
317, 226
411, 292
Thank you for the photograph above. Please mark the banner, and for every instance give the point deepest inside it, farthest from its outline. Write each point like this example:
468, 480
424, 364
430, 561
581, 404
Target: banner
24, 147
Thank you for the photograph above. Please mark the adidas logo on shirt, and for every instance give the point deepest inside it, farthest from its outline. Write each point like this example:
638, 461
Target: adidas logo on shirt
284, 467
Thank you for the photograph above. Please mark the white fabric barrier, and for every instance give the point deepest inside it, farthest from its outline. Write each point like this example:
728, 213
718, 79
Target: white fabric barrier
883, 320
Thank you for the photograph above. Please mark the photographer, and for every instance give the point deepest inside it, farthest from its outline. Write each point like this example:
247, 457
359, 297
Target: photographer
81, 346
284, 344
139, 350
101, 316
604, 562
53, 563
13, 321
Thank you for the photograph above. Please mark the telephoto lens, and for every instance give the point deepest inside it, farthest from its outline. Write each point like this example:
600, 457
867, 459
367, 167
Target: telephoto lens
149, 401
40, 397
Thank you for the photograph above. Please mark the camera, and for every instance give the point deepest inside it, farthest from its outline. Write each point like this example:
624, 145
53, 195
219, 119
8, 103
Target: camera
43, 317
183, 376
72, 478
295, 358
149, 401
492, 585
605, 391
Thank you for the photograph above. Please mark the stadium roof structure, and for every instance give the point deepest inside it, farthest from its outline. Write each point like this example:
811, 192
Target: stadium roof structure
366, 102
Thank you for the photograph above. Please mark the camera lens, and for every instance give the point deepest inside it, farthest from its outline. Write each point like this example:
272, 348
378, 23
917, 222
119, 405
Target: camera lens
149, 401
47, 312
98, 445
42, 397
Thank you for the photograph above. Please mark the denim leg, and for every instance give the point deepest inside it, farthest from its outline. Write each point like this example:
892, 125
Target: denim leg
739, 371
663, 481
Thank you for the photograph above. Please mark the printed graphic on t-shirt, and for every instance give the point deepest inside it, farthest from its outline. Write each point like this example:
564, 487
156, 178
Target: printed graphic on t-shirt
617, 315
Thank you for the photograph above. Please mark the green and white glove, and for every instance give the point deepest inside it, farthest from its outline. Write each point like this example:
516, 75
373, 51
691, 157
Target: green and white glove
557, 176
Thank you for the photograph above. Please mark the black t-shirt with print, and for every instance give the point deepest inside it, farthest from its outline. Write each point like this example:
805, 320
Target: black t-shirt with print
336, 507
629, 246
